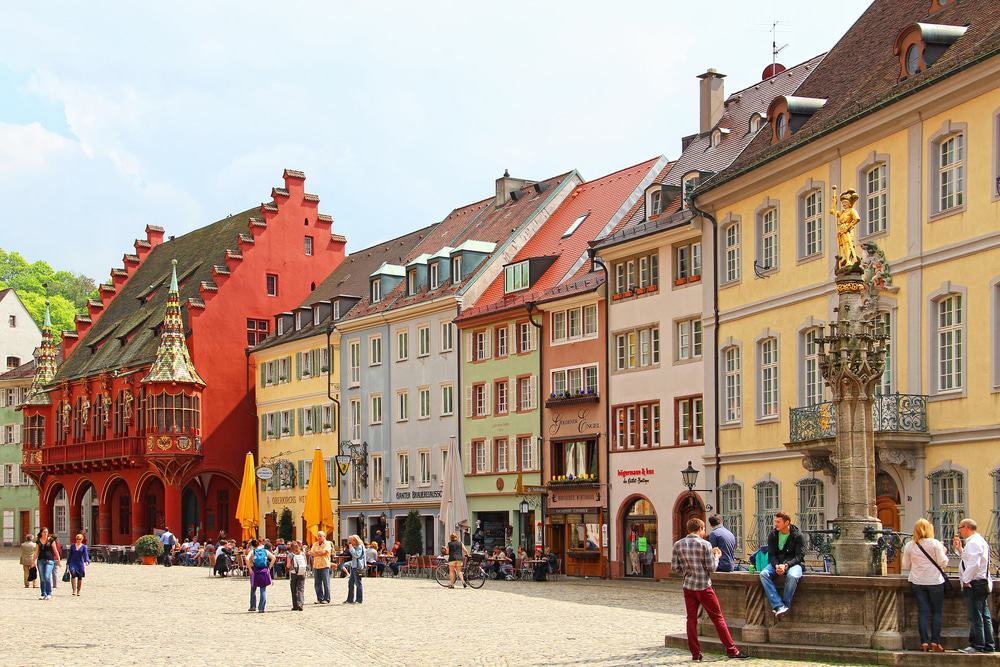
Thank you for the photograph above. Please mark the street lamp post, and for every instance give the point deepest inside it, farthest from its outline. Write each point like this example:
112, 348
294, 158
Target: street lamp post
524, 519
690, 477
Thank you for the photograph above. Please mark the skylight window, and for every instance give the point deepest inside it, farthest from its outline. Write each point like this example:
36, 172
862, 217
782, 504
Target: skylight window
576, 223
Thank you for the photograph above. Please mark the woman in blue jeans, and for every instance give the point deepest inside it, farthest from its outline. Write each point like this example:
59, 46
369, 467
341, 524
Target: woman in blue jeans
46, 558
926, 558
356, 565
259, 562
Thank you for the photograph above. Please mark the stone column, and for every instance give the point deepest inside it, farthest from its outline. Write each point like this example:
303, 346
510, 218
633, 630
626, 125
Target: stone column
75, 518
852, 360
172, 508
46, 515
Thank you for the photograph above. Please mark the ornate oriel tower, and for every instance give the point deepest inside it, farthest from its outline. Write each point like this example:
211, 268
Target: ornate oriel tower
173, 392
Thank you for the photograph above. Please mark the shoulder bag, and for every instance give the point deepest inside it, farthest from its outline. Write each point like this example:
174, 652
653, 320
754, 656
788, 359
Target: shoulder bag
944, 586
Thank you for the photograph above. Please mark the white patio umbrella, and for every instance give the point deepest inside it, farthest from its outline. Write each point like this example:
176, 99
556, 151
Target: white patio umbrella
454, 513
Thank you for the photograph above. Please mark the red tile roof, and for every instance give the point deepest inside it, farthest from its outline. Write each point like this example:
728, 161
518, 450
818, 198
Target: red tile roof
599, 200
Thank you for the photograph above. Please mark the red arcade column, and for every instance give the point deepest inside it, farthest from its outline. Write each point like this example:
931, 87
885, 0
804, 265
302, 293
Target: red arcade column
45, 515
138, 513
75, 520
172, 508
104, 523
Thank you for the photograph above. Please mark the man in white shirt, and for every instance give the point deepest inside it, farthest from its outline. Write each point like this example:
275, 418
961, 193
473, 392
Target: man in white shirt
976, 586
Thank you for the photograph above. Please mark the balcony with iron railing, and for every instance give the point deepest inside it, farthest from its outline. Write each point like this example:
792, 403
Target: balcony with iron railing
100, 454
892, 415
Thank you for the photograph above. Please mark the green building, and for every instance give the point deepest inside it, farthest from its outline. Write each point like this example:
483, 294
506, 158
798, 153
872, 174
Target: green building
18, 494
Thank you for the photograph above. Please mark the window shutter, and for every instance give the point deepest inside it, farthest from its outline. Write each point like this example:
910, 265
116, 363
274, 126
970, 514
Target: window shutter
531, 392
3, 475
298, 365
488, 345
16, 477
263, 427
513, 345
299, 415
490, 467
468, 347
488, 396
469, 407
17, 434
512, 455
263, 374
467, 458
302, 474
532, 337
511, 394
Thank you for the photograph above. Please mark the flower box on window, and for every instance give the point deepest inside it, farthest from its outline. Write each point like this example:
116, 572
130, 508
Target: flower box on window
695, 278
628, 293
327, 427
680, 281
583, 478
651, 288
640, 290
617, 296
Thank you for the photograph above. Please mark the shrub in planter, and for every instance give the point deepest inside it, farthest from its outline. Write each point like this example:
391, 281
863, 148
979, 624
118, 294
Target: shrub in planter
149, 547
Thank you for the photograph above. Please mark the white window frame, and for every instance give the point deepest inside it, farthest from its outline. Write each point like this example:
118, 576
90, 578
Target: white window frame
768, 248
516, 277
354, 407
731, 244
375, 409
526, 458
424, 340
876, 198
424, 400
375, 350
375, 481
768, 378
501, 341
501, 389
690, 339
447, 336
813, 387
402, 405
424, 456
732, 385
309, 246
456, 269
402, 345
447, 400
950, 166
950, 343
480, 459
402, 470
376, 290
433, 270
354, 358
811, 230
502, 462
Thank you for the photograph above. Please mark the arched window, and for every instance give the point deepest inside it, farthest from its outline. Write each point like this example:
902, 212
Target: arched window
731, 510
812, 505
768, 502
756, 121
947, 503
950, 342
811, 224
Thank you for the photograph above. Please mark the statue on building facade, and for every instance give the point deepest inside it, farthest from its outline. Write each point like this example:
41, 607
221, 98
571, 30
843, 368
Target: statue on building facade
847, 221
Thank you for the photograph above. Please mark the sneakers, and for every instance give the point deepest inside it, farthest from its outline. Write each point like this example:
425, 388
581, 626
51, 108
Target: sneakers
780, 611
969, 649
739, 656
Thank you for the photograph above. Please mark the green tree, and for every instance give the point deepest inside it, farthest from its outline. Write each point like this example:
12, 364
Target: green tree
67, 292
413, 541
285, 527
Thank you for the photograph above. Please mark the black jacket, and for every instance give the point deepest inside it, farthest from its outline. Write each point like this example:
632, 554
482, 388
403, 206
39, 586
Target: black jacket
794, 552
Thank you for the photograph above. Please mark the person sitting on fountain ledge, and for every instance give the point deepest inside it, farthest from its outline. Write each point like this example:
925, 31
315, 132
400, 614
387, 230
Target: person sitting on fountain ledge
786, 552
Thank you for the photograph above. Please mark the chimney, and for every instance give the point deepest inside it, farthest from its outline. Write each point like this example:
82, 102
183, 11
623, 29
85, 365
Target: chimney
712, 100
506, 185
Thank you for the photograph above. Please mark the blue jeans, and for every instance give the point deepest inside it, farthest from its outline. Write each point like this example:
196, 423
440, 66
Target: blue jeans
792, 576
321, 582
253, 597
977, 610
930, 606
352, 583
45, 575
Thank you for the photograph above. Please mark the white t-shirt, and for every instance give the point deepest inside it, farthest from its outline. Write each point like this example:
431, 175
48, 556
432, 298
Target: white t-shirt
922, 570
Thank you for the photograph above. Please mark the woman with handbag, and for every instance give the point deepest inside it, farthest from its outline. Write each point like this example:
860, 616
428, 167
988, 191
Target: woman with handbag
45, 558
76, 564
926, 558
27, 561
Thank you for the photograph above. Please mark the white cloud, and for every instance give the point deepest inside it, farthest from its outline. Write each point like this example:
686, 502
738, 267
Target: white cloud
29, 147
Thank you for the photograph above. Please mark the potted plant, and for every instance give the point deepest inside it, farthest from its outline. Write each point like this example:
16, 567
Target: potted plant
149, 547
680, 281
651, 288
695, 278
327, 427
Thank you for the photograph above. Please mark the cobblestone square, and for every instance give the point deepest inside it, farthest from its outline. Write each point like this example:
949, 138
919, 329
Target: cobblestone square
133, 615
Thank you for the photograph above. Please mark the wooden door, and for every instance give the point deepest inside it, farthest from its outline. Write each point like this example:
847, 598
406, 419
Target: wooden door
688, 506
26, 526
271, 526
888, 514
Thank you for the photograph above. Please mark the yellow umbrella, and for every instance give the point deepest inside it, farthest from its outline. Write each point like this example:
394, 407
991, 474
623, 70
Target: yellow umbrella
248, 511
319, 510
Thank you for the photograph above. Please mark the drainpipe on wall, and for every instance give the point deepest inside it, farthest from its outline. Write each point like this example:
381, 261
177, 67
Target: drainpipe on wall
715, 350
541, 418
457, 344
329, 394
596, 261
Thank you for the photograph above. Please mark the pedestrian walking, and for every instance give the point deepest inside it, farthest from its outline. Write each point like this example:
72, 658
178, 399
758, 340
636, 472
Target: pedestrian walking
45, 559
977, 585
76, 563
28, 560
696, 560
297, 575
925, 559
356, 565
169, 541
321, 552
456, 554
58, 562
259, 562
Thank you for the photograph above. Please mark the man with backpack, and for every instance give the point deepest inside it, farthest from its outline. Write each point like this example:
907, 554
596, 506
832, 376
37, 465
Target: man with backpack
168, 540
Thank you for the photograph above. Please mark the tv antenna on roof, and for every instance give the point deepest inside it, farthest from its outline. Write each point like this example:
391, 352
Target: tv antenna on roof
775, 49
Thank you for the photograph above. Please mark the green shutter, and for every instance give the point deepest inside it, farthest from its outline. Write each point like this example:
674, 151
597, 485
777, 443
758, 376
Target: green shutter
301, 425
298, 365
302, 474
263, 367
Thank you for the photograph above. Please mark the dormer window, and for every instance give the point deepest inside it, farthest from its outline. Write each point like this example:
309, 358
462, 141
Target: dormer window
515, 277
336, 309
434, 275
411, 282
376, 290
919, 45
655, 202
456, 270
716, 138
788, 113
756, 120
316, 316
781, 126
576, 224
298, 320
688, 184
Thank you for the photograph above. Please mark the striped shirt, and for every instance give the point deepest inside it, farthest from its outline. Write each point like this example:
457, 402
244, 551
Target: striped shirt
693, 558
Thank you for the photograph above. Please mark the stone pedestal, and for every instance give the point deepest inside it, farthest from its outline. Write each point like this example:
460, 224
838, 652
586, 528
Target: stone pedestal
853, 552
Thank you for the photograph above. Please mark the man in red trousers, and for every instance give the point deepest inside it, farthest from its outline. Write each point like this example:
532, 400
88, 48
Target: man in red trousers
696, 560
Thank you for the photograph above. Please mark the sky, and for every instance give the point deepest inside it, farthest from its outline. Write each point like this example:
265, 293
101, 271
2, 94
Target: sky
118, 115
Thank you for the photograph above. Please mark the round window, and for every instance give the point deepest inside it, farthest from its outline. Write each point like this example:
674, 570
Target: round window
912, 59
781, 125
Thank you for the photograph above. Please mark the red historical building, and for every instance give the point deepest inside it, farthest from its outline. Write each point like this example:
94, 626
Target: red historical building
146, 422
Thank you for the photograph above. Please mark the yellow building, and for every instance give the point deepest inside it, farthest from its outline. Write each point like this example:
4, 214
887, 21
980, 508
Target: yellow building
905, 110
296, 413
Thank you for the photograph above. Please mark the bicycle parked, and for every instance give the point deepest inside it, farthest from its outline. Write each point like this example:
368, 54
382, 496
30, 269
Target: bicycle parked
472, 571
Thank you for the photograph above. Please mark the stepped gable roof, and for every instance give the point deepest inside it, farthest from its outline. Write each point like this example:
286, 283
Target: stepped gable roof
860, 74
599, 200
739, 108
350, 279
481, 221
126, 333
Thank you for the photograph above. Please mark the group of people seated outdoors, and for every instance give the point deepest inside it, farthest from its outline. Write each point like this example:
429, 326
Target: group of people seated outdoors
505, 563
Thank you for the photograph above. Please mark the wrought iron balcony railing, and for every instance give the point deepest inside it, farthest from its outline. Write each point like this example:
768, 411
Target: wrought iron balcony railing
102, 451
891, 413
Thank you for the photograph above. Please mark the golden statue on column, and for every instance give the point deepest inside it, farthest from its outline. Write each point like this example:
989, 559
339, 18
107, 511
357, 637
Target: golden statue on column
847, 221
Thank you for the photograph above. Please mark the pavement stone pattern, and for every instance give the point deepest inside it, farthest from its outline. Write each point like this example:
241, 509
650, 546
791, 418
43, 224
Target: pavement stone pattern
136, 615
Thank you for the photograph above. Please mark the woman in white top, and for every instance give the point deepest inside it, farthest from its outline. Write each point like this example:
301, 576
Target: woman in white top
297, 574
926, 558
